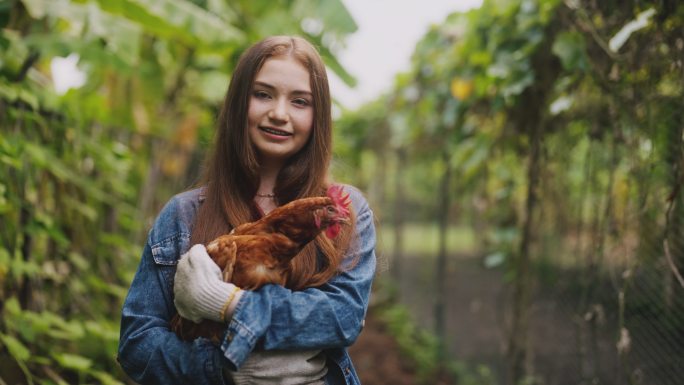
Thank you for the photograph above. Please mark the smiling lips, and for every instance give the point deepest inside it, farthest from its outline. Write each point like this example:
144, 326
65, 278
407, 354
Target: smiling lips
273, 131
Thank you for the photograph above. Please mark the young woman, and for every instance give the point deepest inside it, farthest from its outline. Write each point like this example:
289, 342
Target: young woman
273, 145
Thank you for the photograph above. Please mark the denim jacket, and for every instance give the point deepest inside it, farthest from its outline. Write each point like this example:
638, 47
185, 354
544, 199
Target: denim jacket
328, 317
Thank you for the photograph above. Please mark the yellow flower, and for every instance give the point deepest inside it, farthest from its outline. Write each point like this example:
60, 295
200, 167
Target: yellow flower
461, 88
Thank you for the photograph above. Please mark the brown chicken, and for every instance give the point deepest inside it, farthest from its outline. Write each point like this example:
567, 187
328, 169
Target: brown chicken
259, 252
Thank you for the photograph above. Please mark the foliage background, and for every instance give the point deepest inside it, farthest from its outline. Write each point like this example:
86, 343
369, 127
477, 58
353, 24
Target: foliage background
538, 140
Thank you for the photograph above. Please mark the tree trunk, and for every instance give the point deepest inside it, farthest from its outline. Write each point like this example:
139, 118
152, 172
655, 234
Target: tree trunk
443, 215
25, 288
376, 190
521, 286
674, 216
398, 247
528, 116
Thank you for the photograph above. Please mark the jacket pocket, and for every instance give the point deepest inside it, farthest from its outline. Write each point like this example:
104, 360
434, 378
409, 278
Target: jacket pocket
166, 254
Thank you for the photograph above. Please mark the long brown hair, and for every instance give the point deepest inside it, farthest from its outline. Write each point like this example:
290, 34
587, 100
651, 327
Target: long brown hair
231, 173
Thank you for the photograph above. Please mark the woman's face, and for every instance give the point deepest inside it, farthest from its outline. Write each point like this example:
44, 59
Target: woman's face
280, 114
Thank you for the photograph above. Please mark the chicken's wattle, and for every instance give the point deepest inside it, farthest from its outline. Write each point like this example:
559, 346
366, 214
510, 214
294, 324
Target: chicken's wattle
332, 230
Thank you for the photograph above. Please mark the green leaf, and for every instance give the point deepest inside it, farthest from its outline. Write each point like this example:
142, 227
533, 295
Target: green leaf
102, 330
213, 85
31, 325
73, 14
13, 51
518, 85
10, 153
9, 92
12, 307
29, 98
73, 361
178, 19
333, 14
78, 260
44, 223
20, 268
37, 8
5, 259
63, 329
15, 347
78, 206
42, 157
122, 35
222, 9
334, 65
115, 290
571, 49
105, 378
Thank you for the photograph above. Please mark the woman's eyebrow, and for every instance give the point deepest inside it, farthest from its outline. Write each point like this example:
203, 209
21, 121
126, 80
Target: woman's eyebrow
265, 85
271, 87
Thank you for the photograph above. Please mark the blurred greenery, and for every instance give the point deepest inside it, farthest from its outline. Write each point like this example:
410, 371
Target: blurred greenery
84, 172
554, 130
526, 132
421, 240
422, 347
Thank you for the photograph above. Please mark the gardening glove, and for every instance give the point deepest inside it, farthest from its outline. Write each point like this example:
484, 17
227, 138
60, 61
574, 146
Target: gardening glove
199, 290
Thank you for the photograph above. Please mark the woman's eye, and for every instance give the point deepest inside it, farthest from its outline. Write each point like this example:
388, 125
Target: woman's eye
301, 102
261, 95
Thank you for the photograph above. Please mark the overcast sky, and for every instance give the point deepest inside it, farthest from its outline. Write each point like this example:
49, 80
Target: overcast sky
382, 46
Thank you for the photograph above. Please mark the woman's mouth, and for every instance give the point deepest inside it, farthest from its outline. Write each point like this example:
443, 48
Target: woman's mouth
274, 131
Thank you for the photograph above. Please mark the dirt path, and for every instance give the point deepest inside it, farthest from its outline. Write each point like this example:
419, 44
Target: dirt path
474, 309
377, 359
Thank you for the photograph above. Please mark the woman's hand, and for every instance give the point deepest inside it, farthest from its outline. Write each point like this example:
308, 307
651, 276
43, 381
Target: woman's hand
199, 291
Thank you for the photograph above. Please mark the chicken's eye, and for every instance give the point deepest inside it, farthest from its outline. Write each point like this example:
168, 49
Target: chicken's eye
331, 210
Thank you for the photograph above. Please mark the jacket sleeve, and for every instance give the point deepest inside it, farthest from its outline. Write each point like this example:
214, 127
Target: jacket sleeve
149, 352
316, 318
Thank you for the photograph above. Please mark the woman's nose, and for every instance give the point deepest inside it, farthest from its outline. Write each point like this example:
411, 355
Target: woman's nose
279, 111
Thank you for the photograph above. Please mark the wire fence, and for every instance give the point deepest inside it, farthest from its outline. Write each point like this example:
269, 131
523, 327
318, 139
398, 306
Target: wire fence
605, 292
597, 334
606, 307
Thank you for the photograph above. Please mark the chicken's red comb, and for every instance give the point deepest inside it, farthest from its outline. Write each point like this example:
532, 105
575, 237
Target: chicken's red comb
340, 199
